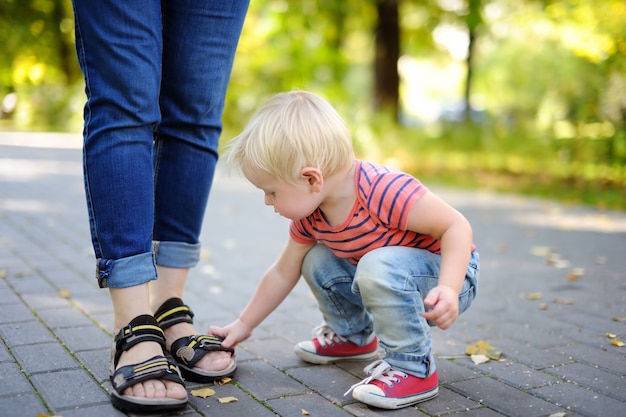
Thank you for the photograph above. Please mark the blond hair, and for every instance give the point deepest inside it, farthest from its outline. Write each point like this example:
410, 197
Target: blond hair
291, 131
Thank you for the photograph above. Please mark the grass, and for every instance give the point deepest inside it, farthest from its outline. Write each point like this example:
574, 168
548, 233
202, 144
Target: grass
588, 172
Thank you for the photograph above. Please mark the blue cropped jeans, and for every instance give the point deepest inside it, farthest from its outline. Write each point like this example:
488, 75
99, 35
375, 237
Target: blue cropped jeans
383, 295
156, 73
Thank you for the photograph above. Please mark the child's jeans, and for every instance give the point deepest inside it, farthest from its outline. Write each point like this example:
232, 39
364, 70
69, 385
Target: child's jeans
383, 295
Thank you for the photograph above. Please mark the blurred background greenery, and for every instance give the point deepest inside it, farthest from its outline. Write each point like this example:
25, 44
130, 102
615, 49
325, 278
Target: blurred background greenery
516, 95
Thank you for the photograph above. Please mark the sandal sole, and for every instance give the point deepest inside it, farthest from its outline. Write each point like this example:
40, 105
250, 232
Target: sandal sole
133, 404
193, 375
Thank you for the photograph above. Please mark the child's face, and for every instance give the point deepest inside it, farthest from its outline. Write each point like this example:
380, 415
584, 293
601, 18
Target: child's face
293, 201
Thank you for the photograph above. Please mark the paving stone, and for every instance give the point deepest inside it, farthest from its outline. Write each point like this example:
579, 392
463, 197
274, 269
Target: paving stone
21, 405
94, 302
278, 352
503, 398
17, 313
83, 338
4, 354
248, 378
75, 285
583, 401
244, 406
607, 357
485, 412
12, 380
592, 377
451, 371
104, 320
363, 410
526, 353
26, 282
44, 357
60, 318
99, 410
447, 402
45, 300
514, 374
31, 332
97, 362
68, 389
332, 382
7, 296
309, 402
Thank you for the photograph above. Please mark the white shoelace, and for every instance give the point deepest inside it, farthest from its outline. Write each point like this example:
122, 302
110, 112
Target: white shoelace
381, 371
325, 335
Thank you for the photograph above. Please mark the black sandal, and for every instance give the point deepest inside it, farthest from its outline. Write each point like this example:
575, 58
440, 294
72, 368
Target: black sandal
142, 329
189, 350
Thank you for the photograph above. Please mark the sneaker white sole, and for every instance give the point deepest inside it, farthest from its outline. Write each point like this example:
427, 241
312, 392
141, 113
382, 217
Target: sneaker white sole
365, 395
309, 355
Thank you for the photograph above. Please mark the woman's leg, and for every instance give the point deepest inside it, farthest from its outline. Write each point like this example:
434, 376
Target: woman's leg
199, 44
119, 50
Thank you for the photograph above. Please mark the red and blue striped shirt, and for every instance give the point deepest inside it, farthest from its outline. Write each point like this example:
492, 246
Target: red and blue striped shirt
378, 218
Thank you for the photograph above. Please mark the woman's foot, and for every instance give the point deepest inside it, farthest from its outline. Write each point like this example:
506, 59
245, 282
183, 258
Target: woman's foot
200, 357
152, 388
212, 361
149, 381
143, 379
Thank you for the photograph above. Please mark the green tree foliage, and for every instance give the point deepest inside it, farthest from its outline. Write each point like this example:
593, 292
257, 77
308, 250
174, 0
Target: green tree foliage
38, 62
321, 45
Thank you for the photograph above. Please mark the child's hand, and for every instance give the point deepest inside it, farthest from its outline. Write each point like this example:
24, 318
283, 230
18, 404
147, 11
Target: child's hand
445, 306
235, 332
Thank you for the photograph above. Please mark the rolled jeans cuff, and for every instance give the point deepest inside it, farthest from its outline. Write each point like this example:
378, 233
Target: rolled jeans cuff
126, 272
176, 254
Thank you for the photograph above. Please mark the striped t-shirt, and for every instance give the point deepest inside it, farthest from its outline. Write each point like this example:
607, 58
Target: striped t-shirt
378, 218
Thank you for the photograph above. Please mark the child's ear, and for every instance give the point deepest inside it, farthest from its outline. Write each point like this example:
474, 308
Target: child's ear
313, 177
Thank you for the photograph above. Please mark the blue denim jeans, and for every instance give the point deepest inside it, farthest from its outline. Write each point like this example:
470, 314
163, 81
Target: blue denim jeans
383, 295
156, 74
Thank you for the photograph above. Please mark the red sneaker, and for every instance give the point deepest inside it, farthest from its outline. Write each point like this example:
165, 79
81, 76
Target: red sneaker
327, 346
390, 388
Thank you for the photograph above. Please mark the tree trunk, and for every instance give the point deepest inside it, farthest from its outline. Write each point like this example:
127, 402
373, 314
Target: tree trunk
473, 20
386, 78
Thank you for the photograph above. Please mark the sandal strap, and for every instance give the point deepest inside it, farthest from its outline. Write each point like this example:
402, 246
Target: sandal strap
189, 350
158, 367
142, 328
172, 312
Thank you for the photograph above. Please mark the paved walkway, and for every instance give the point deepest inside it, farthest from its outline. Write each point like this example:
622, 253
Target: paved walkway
552, 293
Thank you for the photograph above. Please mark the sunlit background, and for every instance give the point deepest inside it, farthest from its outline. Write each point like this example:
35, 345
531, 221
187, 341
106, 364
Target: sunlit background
520, 96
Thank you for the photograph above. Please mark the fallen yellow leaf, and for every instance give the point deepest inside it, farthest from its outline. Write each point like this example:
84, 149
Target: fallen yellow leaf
65, 293
543, 306
619, 318
534, 295
611, 335
222, 381
305, 413
202, 392
565, 301
226, 400
576, 274
483, 348
617, 343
